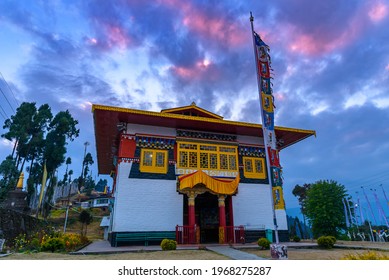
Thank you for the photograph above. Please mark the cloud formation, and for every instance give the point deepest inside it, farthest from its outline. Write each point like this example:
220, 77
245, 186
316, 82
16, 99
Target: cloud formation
330, 61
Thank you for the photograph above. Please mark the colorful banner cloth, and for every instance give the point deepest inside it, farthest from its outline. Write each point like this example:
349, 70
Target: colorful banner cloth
267, 106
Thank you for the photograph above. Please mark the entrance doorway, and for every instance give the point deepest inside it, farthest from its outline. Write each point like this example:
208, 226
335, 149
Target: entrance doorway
207, 215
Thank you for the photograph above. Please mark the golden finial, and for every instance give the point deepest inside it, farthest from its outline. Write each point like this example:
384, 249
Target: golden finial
20, 181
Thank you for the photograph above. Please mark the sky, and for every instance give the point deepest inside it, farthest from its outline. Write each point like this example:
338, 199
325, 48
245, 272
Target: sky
330, 61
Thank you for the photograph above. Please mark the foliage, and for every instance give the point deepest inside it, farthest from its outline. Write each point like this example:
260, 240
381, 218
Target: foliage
88, 160
168, 244
296, 238
9, 174
324, 207
21, 242
263, 243
101, 184
74, 241
89, 185
49, 241
85, 218
53, 244
38, 138
301, 193
326, 242
369, 255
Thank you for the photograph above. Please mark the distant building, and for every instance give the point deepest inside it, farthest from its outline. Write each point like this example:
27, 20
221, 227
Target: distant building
187, 173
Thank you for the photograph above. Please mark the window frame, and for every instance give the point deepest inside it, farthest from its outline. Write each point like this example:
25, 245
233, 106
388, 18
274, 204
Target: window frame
201, 149
153, 168
254, 174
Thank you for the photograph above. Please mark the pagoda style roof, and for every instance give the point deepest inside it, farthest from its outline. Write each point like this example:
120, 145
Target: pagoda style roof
192, 110
109, 120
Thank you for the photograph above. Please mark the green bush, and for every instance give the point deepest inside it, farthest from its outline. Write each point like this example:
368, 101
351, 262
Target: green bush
326, 242
53, 244
263, 243
168, 244
296, 238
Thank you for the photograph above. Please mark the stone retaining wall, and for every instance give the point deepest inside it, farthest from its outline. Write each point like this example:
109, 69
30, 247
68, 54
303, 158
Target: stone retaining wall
13, 223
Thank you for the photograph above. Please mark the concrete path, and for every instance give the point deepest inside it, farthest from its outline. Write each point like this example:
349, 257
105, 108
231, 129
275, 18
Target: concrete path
103, 247
233, 253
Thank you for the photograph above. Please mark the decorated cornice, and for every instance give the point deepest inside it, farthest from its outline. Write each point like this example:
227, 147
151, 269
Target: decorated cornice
252, 151
154, 142
137, 160
205, 135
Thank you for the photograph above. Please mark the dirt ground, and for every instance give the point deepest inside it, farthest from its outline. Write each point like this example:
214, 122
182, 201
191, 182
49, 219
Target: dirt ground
152, 255
313, 254
293, 254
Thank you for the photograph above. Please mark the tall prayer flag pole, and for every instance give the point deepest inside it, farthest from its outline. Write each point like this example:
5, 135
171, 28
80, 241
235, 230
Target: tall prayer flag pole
262, 60
44, 179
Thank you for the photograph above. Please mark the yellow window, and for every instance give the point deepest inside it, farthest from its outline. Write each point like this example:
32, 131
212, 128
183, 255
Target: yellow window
207, 156
254, 168
153, 161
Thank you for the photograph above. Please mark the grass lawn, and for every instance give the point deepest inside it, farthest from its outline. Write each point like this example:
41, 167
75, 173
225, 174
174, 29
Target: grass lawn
152, 255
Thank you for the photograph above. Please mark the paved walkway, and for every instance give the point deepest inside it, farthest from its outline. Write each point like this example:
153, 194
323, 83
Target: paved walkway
233, 253
103, 247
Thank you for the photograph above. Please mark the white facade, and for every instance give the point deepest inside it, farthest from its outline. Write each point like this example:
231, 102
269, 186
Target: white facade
145, 204
152, 130
155, 205
252, 208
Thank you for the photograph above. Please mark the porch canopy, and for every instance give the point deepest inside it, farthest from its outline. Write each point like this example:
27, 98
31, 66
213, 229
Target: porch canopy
218, 186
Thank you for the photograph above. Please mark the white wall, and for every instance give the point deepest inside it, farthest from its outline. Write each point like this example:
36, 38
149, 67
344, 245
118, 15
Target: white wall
242, 139
149, 129
145, 204
252, 208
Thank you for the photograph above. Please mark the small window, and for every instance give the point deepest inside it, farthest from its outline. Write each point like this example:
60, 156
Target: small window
254, 168
154, 161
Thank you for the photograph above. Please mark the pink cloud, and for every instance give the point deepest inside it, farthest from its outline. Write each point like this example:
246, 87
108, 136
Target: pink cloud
202, 70
117, 37
324, 39
212, 28
279, 96
378, 12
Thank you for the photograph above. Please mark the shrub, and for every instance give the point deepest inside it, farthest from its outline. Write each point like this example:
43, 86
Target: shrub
369, 255
21, 242
296, 238
73, 241
326, 242
168, 244
53, 244
263, 243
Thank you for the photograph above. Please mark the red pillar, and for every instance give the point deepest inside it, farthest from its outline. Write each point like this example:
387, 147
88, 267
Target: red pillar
222, 219
191, 217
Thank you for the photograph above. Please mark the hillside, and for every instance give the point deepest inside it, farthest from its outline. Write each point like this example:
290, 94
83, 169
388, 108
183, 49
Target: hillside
73, 225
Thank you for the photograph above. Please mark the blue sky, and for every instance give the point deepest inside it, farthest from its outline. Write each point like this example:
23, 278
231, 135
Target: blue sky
330, 61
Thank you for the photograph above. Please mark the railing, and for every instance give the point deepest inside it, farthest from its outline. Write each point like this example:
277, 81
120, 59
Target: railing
191, 234
187, 234
234, 234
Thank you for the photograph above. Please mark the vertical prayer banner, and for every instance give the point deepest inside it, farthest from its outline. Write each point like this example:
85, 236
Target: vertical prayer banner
266, 98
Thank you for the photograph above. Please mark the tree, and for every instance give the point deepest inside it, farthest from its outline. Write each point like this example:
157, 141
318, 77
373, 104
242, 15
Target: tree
85, 218
101, 184
9, 174
301, 193
39, 139
61, 129
89, 185
324, 207
88, 160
